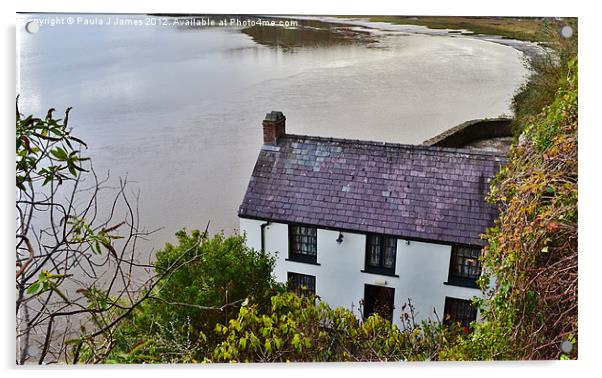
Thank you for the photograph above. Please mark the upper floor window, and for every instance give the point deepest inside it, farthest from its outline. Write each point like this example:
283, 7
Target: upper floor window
380, 254
465, 266
303, 243
459, 311
302, 283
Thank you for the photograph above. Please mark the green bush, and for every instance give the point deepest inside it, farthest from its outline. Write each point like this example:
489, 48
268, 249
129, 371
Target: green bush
299, 328
176, 323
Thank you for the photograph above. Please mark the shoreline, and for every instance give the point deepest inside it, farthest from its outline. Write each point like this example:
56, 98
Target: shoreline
530, 48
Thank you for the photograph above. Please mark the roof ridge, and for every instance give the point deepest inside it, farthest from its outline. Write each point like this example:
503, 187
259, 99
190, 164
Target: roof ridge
466, 151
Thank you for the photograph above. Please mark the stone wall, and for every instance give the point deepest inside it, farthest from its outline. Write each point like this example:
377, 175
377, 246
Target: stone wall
472, 131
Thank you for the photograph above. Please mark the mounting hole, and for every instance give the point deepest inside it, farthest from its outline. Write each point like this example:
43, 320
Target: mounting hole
566, 346
32, 27
566, 31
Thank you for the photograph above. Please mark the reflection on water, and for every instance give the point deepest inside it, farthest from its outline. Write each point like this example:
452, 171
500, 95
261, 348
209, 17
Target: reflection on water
179, 110
309, 33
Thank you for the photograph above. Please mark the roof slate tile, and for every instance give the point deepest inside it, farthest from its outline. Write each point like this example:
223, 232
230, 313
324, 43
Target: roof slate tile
419, 192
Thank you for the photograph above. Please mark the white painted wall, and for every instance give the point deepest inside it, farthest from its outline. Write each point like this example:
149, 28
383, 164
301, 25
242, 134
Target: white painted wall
422, 269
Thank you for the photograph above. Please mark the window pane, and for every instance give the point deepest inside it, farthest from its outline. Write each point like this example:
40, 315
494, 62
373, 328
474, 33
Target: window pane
459, 311
303, 240
390, 251
374, 250
380, 253
465, 263
302, 284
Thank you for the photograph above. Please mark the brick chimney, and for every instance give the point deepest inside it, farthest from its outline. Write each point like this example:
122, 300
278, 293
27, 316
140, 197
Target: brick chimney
273, 127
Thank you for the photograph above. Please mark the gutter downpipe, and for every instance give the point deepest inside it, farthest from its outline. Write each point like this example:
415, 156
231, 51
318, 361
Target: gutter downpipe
263, 226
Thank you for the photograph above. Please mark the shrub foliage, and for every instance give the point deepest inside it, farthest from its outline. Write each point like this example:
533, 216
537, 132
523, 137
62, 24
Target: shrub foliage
532, 249
304, 328
176, 322
547, 71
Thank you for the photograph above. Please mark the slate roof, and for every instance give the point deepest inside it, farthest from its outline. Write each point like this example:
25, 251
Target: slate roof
415, 192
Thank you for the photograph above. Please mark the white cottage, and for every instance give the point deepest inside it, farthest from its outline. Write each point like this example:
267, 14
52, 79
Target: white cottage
372, 223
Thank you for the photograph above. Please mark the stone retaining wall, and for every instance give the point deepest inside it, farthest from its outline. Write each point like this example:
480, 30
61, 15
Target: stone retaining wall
472, 131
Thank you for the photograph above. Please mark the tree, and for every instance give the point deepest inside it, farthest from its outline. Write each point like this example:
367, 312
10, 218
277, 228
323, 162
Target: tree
176, 323
74, 263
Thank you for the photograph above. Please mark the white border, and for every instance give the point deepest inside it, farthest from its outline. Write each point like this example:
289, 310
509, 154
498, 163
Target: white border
589, 167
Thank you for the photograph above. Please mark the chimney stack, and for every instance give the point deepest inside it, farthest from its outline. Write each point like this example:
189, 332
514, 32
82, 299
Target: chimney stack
273, 127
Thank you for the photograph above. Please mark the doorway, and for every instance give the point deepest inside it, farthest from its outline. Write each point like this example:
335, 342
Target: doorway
379, 299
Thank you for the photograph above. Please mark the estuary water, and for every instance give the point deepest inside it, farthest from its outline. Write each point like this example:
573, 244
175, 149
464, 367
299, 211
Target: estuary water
178, 109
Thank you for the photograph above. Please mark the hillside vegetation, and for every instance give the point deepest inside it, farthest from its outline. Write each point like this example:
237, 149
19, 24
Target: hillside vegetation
547, 71
532, 251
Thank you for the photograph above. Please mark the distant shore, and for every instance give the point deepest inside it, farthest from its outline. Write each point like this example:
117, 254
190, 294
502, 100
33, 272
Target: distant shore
523, 34
519, 28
